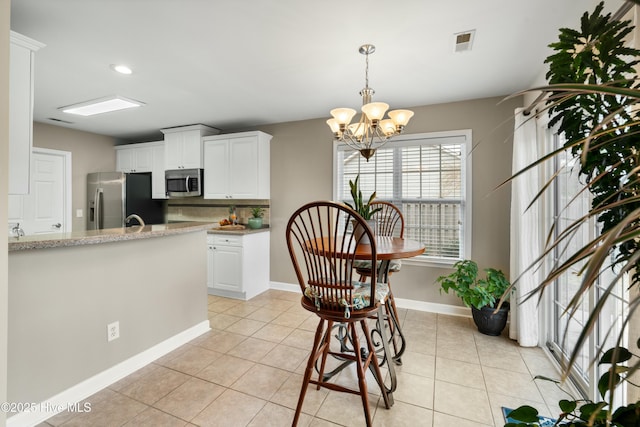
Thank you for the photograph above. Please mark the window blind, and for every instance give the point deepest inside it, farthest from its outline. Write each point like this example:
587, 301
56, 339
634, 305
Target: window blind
425, 177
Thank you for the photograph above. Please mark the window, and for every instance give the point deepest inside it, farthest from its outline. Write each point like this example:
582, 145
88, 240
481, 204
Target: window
428, 177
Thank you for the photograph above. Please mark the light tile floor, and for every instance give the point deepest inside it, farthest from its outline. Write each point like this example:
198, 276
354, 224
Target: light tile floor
247, 371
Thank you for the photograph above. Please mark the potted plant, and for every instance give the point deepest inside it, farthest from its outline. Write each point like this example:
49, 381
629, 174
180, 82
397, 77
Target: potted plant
585, 412
256, 218
593, 97
482, 295
364, 209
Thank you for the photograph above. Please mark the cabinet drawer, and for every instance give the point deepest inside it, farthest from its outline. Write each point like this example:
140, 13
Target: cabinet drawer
220, 239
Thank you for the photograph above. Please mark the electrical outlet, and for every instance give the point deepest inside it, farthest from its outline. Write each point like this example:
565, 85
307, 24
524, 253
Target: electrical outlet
113, 331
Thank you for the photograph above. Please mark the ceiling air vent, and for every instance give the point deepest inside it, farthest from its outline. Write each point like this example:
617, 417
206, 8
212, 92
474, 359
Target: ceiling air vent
464, 41
53, 119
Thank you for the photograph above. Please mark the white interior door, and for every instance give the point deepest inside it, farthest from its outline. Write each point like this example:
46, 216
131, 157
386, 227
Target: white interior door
46, 209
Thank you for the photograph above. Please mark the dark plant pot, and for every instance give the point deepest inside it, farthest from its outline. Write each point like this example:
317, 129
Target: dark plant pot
489, 323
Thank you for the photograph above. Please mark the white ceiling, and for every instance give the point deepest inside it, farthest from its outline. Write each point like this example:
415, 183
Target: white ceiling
243, 63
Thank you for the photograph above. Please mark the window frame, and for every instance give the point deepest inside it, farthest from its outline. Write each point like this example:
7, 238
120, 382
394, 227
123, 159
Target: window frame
467, 191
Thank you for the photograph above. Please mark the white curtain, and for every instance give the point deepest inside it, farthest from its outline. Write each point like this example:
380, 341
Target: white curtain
525, 231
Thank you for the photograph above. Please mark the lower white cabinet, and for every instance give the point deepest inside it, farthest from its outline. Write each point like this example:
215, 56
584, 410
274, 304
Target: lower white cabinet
238, 265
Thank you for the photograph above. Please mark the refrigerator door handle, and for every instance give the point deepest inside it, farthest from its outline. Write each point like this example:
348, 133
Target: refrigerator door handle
98, 207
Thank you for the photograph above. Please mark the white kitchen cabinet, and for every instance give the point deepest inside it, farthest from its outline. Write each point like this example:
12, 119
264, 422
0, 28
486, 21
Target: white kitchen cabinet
238, 265
21, 73
134, 158
183, 146
237, 166
144, 157
158, 183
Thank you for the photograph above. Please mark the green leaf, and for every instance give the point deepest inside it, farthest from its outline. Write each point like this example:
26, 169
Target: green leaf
524, 413
593, 410
603, 382
567, 406
621, 355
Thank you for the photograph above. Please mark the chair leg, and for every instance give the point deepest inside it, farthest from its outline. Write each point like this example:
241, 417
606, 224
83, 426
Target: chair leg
309, 370
362, 382
327, 343
386, 396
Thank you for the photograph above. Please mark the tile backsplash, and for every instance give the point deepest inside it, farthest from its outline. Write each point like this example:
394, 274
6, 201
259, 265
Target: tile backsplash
207, 210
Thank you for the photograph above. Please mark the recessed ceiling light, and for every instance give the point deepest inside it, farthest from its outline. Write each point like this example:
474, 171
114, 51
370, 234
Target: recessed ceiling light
121, 68
102, 105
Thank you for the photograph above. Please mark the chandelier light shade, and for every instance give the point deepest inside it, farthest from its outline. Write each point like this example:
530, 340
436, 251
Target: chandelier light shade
372, 131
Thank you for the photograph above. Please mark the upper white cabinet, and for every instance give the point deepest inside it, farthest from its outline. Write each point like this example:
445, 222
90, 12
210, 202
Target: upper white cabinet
21, 70
158, 183
134, 158
237, 166
183, 146
144, 157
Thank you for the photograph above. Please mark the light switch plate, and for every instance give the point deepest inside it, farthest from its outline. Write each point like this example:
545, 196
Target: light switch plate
79, 213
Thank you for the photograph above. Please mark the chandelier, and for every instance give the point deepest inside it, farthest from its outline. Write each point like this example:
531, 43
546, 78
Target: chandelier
371, 131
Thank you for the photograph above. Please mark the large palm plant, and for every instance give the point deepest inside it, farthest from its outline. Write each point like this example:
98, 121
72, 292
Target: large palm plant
593, 98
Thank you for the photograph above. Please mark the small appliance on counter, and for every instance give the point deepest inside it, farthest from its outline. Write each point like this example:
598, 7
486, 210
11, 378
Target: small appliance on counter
113, 196
183, 182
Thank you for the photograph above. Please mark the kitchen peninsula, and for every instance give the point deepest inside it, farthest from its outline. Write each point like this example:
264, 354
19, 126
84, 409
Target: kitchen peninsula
65, 289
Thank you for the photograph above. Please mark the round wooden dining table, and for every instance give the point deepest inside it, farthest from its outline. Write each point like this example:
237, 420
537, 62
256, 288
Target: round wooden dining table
387, 249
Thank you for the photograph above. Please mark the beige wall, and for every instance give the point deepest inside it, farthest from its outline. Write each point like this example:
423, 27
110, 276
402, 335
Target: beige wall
89, 153
301, 171
60, 310
4, 179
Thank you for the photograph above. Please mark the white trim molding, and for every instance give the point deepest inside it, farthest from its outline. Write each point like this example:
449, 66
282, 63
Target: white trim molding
70, 397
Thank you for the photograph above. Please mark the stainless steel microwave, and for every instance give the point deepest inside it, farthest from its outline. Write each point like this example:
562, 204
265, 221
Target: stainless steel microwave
183, 182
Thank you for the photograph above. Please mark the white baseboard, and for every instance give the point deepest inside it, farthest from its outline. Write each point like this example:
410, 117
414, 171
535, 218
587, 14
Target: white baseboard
430, 307
281, 286
433, 307
68, 398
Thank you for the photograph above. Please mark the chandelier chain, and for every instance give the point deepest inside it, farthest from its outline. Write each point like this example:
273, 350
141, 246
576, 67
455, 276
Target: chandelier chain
366, 71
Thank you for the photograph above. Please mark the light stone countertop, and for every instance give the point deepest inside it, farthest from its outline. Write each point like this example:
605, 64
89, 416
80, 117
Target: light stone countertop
93, 237
217, 230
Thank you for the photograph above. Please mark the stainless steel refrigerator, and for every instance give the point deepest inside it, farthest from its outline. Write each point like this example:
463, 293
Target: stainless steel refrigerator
112, 196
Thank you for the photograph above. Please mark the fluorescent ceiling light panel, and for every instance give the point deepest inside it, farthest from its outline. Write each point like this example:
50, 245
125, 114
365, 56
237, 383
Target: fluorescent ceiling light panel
102, 105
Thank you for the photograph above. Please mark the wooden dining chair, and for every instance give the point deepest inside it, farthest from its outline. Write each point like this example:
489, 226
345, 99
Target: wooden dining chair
322, 250
389, 222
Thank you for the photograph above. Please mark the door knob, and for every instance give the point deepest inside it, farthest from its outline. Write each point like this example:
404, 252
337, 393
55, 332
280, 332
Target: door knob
58, 225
